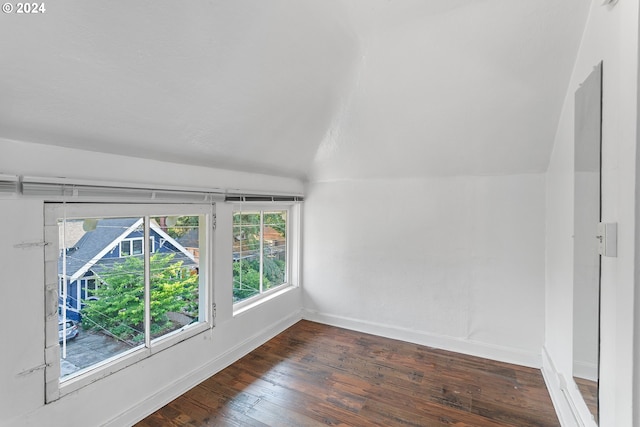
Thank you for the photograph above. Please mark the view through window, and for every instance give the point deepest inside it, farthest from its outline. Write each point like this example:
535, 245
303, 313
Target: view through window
119, 291
260, 256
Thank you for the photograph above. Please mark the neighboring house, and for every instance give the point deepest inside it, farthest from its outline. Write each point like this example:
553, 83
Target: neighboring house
275, 245
110, 242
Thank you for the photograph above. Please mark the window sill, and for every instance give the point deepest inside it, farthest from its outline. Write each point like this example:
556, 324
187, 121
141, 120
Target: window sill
124, 360
241, 308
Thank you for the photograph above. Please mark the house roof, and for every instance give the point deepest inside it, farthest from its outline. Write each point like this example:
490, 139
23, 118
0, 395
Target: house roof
93, 242
270, 233
190, 239
90, 250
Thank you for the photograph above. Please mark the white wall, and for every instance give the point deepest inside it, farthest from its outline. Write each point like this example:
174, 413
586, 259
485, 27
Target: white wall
611, 35
131, 393
451, 262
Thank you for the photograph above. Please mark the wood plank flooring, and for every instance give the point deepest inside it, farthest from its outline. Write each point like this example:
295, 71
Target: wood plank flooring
318, 375
589, 391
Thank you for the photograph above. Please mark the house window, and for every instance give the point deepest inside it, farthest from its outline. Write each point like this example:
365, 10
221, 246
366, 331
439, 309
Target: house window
88, 285
144, 302
261, 253
134, 246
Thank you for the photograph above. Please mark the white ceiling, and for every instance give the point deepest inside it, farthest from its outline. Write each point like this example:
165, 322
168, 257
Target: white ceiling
315, 89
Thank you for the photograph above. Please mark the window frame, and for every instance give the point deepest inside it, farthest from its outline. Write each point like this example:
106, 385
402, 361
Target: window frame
55, 387
130, 241
292, 250
85, 286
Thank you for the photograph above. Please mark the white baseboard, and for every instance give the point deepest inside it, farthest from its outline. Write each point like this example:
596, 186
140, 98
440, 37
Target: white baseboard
569, 405
177, 388
473, 348
585, 370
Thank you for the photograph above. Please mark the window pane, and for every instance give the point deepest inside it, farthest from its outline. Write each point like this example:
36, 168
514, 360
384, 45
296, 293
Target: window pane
112, 320
91, 285
137, 246
259, 252
246, 255
175, 278
125, 248
274, 249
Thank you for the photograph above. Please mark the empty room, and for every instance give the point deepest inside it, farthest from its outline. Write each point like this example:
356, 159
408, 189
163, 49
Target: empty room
320, 212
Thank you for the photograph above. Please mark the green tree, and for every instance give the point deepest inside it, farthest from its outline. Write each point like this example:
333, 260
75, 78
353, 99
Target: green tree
119, 308
246, 272
246, 279
277, 221
274, 272
181, 225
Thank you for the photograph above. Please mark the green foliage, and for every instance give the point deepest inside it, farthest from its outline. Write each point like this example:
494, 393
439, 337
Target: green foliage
246, 277
246, 230
249, 223
276, 221
246, 272
274, 272
182, 226
120, 305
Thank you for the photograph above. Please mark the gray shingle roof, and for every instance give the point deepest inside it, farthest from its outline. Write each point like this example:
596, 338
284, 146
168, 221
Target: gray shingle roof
93, 242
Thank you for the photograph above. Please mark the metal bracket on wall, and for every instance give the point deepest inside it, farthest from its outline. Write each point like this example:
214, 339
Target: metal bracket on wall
608, 239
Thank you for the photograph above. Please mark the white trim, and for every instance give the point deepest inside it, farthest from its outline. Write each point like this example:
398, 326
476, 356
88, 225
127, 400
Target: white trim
62, 188
84, 284
127, 358
114, 184
122, 237
171, 240
57, 387
489, 351
170, 391
292, 256
9, 185
106, 250
254, 301
130, 240
571, 409
239, 306
235, 192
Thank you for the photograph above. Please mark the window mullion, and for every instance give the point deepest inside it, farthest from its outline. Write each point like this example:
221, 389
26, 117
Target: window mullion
64, 285
147, 284
261, 251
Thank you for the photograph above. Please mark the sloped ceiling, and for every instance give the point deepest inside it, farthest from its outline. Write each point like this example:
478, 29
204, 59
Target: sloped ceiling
314, 89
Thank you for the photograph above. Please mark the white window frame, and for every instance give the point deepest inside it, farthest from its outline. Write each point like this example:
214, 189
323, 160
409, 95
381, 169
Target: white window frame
292, 250
84, 284
54, 386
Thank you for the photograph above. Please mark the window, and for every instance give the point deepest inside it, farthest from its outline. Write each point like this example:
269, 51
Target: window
262, 260
124, 300
88, 286
134, 246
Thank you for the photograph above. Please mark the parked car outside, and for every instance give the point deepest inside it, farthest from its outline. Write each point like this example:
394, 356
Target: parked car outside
71, 330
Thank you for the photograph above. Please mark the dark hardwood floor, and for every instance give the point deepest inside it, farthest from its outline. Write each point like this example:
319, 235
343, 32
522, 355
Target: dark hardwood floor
589, 391
318, 375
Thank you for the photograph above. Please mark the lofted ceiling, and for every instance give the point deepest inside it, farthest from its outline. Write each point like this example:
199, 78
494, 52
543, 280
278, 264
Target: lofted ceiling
312, 89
